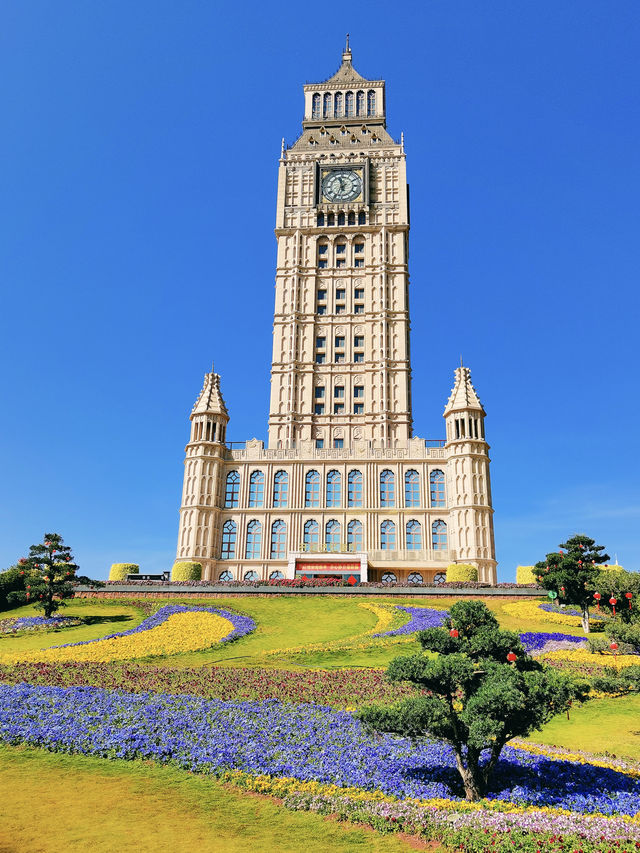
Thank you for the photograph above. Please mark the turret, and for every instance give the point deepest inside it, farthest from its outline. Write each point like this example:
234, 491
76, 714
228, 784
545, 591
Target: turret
203, 492
469, 485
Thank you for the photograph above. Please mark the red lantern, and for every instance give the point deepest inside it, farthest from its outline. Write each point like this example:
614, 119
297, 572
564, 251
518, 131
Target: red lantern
512, 657
614, 647
579, 562
562, 590
613, 602
629, 596
597, 597
453, 632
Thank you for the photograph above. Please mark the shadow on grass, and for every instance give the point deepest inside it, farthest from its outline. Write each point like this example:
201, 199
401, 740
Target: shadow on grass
99, 620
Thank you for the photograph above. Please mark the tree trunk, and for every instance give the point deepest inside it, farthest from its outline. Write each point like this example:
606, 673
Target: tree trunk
585, 618
471, 777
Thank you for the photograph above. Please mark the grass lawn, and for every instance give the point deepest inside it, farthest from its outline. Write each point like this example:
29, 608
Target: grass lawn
53, 802
609, 725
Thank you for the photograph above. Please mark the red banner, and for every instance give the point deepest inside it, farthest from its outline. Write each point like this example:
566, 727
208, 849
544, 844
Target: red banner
301, 566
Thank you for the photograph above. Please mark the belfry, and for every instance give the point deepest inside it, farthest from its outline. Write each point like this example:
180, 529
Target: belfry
343, 488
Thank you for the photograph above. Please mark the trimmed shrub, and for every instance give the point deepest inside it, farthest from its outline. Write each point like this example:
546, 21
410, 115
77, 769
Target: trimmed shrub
186, 571
457, 572
119, 571
525, 574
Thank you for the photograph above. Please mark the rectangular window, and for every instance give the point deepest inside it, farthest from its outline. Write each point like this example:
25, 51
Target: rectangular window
319, 408
341, 293
322, 295
322, 309
341, 249
338, 443
339, 358
322, 250
358, 391
358, 341
338, 408
339, 343
322, 263
319, 393
358, 309
358, 262
339, 263
339, 309
358, 248
338, 391
319, 446
358, 409
358, 293
320, 358
321, 343
358, 357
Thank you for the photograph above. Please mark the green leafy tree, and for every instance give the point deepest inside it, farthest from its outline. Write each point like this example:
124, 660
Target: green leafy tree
573, 573
50, 574
474, 698
617, 585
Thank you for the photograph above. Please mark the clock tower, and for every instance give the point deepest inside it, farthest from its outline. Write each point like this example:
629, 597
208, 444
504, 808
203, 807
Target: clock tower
343, 488
340, 369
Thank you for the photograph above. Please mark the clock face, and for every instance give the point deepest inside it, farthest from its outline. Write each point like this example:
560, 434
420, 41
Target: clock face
341, 185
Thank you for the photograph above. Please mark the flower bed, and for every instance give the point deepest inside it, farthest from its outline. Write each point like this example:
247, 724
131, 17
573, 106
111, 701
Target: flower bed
307, 742
37, 623
540, 611
421, 618
171, 630
341, 688
539, 642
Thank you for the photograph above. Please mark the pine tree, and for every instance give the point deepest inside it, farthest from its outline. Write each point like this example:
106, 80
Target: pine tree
50, 573
573, 573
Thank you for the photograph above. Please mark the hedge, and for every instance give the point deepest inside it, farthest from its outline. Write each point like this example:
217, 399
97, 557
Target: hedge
119, 571
186, 571
457, 572
525, 574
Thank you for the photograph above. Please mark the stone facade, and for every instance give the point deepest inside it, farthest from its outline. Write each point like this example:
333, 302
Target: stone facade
342, 487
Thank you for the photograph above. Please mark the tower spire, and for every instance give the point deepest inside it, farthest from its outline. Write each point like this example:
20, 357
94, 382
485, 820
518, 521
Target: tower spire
346, 54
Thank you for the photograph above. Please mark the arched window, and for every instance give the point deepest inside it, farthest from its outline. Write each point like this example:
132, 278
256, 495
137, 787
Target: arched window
278, 540
251, 576
439, 577
415, 577
331, 220
341, 219
281, 488
232, 489
332, 535
311, 536
276, 576
389, 577
354, 536
229, 534
337, 104
362, 219
388, 536
256, 489
414, 536
360, 103
326, 105
371, 103
320, 219
334, 489
412, 488
436, 483
315, 106
439, 536
352, 218
312, 489
354, 497
225, 576
387, 488
254, 541
349, 103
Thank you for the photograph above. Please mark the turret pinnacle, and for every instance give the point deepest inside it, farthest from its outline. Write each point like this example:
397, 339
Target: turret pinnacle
463, 395
210, 401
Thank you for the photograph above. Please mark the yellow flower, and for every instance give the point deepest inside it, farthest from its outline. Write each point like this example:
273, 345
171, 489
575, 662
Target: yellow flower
181, 632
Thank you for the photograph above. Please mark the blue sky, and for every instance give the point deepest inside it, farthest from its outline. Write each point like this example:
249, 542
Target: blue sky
137, 204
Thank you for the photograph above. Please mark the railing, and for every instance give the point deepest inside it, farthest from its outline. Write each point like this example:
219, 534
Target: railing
316, 548
413, 448
406, 554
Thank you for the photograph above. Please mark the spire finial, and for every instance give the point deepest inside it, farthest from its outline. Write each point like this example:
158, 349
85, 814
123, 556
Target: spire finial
347, 48
461, 364
212, 368
346, 54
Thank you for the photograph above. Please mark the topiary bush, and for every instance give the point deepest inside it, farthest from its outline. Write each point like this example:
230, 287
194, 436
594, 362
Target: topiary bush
457, 572
525, 574
186, 571
119, 571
